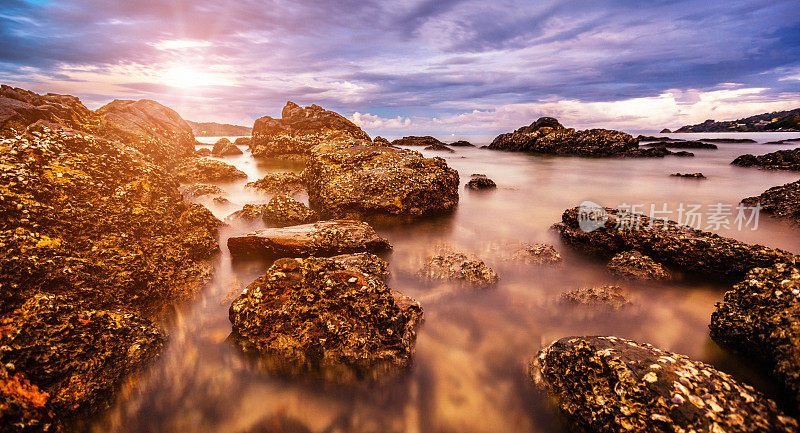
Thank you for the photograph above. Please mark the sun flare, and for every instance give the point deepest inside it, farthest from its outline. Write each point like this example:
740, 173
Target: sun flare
188, 77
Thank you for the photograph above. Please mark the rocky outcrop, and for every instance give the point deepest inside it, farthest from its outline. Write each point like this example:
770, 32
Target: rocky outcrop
785, 141
214, 129
478, 183
324, 238
224, 147
537, 254
299, 129
317, 316
366, 181
728, 140
20, 108
243, 141
689, 175
666, 131
760, 318
676, 144
779, 160
380, 141
678, 247
634, 265
199, 153
605, 298
281, 211
547, 136
366, 263
286, 183
439, 148
454, 266
461, 143
613, 385
417, 141
780, 202
200, 190
194, 170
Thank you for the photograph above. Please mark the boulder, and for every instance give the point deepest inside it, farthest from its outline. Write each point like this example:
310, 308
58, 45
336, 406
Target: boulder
461, 143
760, 318
317, 316
537, 254
478, 183
363, 181
634, 265
779, 160
380, 141
324, 238
439, 148
679, 247
20, 108
417, 141
300, 129
689, 175
606, 298
201, 189
286, 183
202, 152
224, 147
458, 267
193, 170
281, 211
608, 384
780, 202
242, 141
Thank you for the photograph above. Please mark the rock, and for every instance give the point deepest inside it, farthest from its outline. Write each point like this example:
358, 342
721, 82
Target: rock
439, 148
679, 247
666, 131
324, 238
367, 181
286, 183
547, 136
613, 385
24, 405
194, 170
759, 319
20, 108
224, 147
242, 141
538, 254
454, 266
366, 263
683, 153
214, 129
634, 265
673, 144
779, 160
780, 202
381, 141
201, 189
480, 183
221, 201
300, 129
461, 143
74, 356
655, 138
317, 316
648, 152
417, 141
608, 298
202, 152
728, 140
689, 175
281, 211
788, 140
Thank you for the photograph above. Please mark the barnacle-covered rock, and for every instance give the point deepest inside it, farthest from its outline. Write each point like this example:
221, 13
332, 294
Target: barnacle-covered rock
322, 317
537, 254
286, 183
787, 159
610, 298
634, 265
760, 318
380, 141
193, 170
360, 181
201, 189
23, 406
780, 201
449, 265
281, 211
607, 384
478, 183
678, 247
224, 147
414, 140
73, 356
324, 238
20, 108
242, 141
439, 148
366, 263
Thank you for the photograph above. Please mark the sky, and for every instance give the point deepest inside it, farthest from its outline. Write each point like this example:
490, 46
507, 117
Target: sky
416, 67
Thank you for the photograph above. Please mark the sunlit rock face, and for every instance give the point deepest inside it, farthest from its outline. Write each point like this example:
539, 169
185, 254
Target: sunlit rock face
299, 129
20, 108
780, 201
614, 385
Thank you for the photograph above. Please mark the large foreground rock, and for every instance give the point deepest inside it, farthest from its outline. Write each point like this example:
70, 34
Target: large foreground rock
320, 316
300, 129
780, 201
607, 384
760, 318
779, 160
20, 108
324, 238
361, 181
678, 247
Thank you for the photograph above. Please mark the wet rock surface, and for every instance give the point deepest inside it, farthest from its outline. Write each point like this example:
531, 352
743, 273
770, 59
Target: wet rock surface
614, 385
196, 170
537, 254
366, 263
678, 247
324, 238
677, 144
300, 129
201, 189
779, 160
689, 175
634, 265
362, 181
780, 201
286, 183
605, 298
759, 318
478, 183
450, 265
320, 317
224, 147
417, 141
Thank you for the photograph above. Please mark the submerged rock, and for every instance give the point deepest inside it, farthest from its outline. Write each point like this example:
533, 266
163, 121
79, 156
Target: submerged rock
224, 147
538, 254
609, 298
450, 265
689, 175
613, 385
286, 183
417, 141
679, 247
760, 318
319, 316
300, 129
780, 201
194, 170
632, 264
324, 238
362, 181
779, 160
478, 183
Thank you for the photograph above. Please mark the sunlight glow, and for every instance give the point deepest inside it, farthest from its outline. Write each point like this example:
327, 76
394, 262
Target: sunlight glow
187, 77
